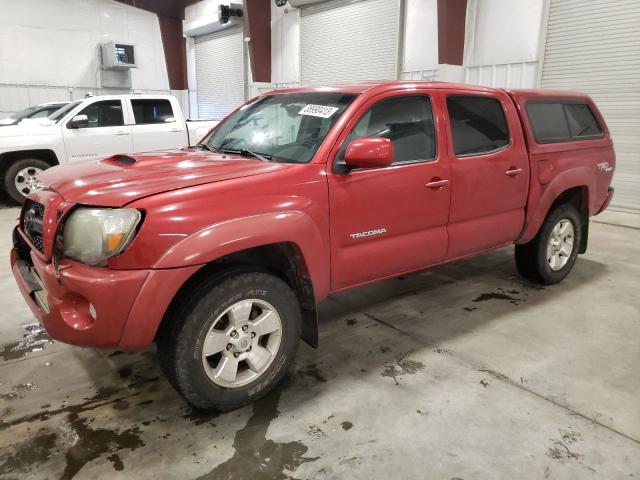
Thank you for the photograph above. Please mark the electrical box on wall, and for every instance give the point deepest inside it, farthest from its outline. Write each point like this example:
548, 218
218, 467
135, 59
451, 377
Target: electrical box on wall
118, 56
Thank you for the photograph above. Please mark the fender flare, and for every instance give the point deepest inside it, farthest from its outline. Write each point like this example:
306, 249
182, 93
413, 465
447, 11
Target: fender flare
235, 235
581, 177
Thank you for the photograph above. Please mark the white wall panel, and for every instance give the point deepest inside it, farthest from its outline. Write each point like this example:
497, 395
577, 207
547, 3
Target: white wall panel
428, 75
204, 8
420, 48
594, 47
509, 75
502, 31
285, 44
47, 46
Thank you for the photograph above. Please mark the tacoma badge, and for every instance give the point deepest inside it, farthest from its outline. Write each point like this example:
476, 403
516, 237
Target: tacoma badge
370, 233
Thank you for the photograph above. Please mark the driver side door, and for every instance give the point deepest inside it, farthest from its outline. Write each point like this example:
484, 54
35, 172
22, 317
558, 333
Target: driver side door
107, 133
390, 220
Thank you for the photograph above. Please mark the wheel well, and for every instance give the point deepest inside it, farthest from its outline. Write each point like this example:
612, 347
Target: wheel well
283, 260
6, 159
579, 198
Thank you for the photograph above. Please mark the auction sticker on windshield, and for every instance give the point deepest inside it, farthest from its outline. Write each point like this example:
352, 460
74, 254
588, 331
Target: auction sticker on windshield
321, 111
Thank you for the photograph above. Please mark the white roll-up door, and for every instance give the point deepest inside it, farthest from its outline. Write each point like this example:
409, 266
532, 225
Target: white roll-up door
594, 47
219, 73
349, 41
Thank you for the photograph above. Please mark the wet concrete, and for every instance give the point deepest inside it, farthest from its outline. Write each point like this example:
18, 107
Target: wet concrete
464, 371
256, 457
35, 339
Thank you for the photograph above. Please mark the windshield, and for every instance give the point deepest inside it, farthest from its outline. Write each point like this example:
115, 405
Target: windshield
288, 127
58, 115
22, 113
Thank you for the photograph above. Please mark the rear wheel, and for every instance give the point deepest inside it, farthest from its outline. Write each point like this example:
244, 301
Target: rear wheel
20, 179
550, 256
232, 340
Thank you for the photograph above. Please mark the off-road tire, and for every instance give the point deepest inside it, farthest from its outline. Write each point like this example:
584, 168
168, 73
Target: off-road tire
180, 341
531, 258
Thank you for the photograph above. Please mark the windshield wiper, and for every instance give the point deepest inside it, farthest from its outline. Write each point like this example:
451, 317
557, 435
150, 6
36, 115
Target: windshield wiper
207, 147
248, 153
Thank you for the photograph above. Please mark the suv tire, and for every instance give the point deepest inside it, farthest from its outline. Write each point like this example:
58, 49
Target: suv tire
549, 257
219, 325
19, 178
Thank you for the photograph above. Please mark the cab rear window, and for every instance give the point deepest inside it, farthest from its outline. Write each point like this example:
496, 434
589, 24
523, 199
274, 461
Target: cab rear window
562, 121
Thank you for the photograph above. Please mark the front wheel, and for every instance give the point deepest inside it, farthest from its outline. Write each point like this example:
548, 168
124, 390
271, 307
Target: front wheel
550, 256
232, 339
20, 179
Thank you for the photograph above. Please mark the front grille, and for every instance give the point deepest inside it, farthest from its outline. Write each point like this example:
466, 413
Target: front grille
32, 222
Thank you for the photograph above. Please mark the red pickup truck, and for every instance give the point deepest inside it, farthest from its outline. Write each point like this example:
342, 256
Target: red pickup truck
219, 253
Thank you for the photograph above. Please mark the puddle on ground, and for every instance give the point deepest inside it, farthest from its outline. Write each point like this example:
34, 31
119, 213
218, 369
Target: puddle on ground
346, 425
200, 417
501, 294
82, 442
312, 371
92, 443
17, 391
34, 340
403, 366
256, 457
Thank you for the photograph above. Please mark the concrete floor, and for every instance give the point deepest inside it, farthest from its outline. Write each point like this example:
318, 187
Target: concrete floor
461, 372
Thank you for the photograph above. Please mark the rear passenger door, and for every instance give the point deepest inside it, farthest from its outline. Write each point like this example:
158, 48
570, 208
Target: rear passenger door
489, 172
156, 126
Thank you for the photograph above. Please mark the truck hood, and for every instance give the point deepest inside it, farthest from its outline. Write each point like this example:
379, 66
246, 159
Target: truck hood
121, 179
26, 130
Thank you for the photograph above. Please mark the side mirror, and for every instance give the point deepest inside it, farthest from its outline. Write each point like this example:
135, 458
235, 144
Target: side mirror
369, 152
79, 121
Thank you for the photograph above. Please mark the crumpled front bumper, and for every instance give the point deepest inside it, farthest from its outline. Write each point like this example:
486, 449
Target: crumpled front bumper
97, 307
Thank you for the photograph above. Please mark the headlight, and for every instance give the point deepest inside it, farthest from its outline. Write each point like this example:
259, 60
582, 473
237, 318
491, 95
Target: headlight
91, 235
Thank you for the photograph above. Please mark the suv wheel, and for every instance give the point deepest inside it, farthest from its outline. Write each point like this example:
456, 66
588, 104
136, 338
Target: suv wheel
20, 178
232, 340
550, 256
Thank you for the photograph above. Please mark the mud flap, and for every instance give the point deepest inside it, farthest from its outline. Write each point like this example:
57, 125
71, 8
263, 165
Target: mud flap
309, 331
585, 235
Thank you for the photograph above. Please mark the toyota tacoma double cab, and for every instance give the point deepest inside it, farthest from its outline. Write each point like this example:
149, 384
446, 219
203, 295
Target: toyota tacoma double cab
220, 253
91, 129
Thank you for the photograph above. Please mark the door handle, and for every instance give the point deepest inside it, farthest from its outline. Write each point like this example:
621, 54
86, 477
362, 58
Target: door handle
513, 172
437, 183
175, 130
122, 132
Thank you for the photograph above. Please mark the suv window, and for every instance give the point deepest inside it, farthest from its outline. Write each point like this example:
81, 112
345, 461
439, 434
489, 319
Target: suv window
548, 122
406, 121
147, 111
478, 124
45, 112
107, 113
562, 122
582, 122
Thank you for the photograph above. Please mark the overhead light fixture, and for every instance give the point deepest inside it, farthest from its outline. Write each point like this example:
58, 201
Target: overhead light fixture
280, 3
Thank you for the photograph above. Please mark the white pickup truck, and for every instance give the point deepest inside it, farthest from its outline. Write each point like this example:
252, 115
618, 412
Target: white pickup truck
92, 128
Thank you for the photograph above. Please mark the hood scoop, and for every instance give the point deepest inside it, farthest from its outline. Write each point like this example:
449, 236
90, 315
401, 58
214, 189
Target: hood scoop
120, 159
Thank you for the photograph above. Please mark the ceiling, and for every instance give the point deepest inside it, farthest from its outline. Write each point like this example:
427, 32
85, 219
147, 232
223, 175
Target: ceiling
168, 8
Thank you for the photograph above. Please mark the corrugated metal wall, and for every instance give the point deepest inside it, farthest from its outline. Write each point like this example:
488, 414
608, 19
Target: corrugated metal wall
594, 47
348, 41
219, 73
